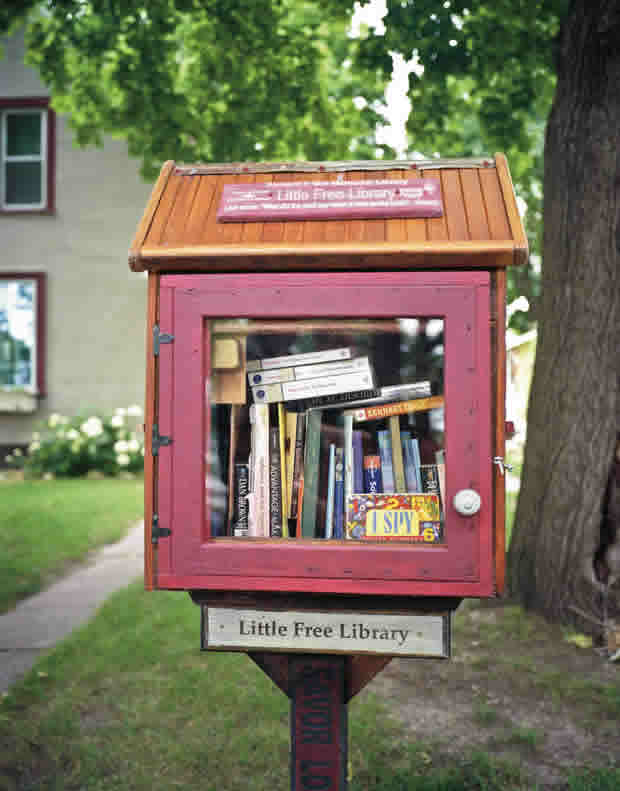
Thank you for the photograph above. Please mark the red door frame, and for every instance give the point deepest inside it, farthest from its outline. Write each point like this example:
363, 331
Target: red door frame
190, 560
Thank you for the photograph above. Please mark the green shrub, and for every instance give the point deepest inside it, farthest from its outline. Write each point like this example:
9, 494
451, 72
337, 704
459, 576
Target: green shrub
72, 447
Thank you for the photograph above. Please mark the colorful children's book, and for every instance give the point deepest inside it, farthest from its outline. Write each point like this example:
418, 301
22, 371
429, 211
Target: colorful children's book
373, 482
413, 518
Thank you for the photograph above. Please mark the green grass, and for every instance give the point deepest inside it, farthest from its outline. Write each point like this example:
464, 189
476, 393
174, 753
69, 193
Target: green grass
129, 702
47, 525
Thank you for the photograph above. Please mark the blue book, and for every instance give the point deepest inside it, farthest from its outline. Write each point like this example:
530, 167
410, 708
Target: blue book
415, 449
385, 452
329, 510
373, 480
358, 463
408, 463
338, 530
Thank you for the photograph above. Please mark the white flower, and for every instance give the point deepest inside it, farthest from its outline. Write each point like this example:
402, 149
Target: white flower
122, 459
17, 452
9, 458
93, 427
135, 410
121, 411
121, 446
36, 435
142, 451
72, 434
48, 476
54, 420
34, 446
133, 446
117, 421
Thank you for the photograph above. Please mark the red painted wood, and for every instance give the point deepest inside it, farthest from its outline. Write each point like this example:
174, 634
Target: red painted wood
163, 464
464, 564
318, 723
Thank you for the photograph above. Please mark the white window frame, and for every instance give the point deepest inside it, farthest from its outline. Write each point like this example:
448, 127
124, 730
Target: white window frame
6, 158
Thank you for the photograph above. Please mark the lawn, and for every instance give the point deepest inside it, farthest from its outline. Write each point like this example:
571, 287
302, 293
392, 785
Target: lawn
129, 703
45, 526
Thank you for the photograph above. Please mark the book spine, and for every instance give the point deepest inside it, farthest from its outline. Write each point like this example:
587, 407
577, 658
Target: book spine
311, 475
440, 458
313, 388
348, 457
291, 437
275, 484
373, 482
415, 452
241, 507
298, 464
331, 482
282, 453
385, 452
405, 442
398, 408
299, 359
335, 401
397, 454
259, 510
304, 372
430, 480
339, 494
358, 462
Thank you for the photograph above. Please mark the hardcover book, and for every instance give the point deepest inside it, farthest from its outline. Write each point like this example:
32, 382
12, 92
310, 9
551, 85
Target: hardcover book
304, 372
338, 531
240, 500
397, 455
413, 518
385, 452
373, 482
275, 484
430, 480
313, 388
259, 471
299, 359
379, 411
331, 483
311, 475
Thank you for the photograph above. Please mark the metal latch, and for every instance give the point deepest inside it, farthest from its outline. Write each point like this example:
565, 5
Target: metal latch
159, 440
159, 338
499, 460
158, 532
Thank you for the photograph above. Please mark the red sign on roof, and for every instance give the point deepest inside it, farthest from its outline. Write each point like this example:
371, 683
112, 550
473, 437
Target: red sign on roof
330, 200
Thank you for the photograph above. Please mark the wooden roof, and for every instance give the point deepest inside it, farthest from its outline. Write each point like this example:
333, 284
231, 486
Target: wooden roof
480, 226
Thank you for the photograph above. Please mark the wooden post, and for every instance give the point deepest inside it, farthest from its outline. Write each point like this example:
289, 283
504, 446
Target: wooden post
318, 723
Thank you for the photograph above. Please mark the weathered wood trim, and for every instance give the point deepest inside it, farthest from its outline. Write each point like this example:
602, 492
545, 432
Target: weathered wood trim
135, 263
521, 247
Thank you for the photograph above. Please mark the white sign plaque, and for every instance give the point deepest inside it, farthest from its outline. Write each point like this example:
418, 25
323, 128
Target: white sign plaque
230, 629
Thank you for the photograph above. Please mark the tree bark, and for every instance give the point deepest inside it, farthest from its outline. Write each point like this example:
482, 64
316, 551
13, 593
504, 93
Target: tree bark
574, 409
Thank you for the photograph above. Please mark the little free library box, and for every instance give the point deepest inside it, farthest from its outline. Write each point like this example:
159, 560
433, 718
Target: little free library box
325, 398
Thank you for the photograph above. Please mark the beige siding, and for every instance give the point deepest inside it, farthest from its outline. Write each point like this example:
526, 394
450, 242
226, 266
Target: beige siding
96, 307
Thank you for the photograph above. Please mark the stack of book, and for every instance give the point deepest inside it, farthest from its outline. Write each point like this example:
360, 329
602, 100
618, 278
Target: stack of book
332, 455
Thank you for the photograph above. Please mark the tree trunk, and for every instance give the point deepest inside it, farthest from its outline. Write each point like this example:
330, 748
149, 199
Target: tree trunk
574, 409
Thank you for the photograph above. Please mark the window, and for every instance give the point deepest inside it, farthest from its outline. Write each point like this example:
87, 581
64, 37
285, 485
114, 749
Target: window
26, 154
22, 332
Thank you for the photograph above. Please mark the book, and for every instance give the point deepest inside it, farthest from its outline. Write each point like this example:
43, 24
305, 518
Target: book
430, 480
348, 456
385, 452
313, 388
413, 518
379, 411
338, 531
290, 419
240, 501
440, 458
275, 483
373, 481
304, 372
333, 401
311, 474
405, 443
258, 515
331, 482
397, 454
283, 477
384, 395
415, 451
298, 464
298, 359
358, 462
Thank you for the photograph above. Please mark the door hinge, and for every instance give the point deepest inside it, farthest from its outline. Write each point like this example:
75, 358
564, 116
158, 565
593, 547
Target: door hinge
158, 440
159, 338
499, 460
158, 532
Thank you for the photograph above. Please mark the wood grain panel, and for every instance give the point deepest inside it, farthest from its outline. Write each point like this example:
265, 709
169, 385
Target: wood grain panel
314, 230
221, 232
355, 228
273, 231
437, 227
453, 206
497, 218
294, 229
396, 227
374, 230
512, 210
336, 230
253, 231
474, 205
164, 209
174, 231
149, 212
417, 227
199, 211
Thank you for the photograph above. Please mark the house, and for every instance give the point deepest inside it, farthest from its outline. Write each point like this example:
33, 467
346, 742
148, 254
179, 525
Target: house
71, 315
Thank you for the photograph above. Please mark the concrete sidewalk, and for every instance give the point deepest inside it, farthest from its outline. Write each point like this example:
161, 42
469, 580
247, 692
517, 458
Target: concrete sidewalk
38, 623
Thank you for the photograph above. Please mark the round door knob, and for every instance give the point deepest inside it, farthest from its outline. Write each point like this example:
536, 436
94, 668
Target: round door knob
467, 502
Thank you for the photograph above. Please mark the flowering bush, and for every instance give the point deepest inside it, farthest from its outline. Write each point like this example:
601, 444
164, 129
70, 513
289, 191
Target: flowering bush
71, 447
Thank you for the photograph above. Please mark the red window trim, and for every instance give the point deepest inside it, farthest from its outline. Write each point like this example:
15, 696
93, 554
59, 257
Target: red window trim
41, 308
42, 103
